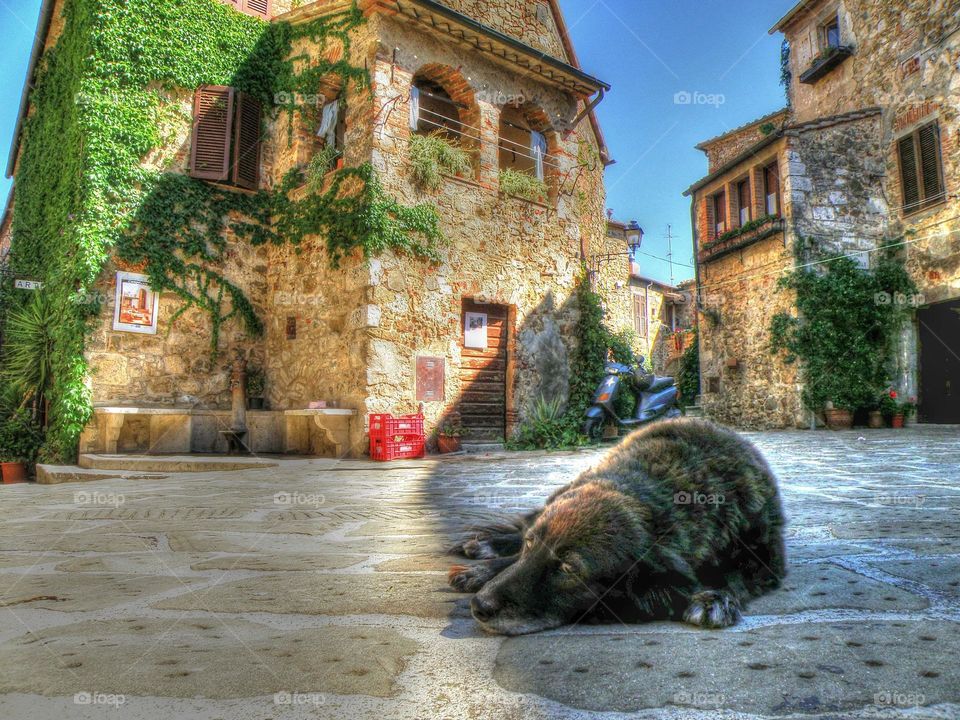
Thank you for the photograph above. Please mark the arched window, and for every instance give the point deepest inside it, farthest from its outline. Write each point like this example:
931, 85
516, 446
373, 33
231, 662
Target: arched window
523, 142
433, 110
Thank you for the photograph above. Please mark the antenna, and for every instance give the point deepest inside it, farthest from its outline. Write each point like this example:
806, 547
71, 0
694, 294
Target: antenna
670, 252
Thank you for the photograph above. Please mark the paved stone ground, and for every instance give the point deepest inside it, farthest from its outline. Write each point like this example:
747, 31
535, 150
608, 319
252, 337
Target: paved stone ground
317, 589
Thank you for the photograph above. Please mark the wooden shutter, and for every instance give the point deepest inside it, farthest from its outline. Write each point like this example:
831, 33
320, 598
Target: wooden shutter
908, 175
212, 121
929, 143
260, 8
246, 143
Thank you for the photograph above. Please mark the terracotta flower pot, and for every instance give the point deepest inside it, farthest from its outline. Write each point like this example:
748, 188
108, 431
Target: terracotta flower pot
14, 472
875, 419
448, 444
896, 421
839, 419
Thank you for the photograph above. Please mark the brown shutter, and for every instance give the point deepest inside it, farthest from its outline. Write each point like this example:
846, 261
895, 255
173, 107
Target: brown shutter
908, 175
930, 164
246, 143
212, 121
260, 8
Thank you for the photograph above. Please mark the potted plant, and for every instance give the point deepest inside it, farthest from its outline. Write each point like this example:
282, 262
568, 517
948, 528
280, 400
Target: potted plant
838, 418
448, 438
20, 440
255, 387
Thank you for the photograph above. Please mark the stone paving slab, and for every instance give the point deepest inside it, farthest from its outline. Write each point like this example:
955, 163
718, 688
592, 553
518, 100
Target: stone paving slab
328, 594
203, 658
817, 587
272, 562
773, 671
77, 592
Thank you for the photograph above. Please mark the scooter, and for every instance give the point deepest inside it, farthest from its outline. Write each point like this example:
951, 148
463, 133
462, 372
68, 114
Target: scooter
657, 399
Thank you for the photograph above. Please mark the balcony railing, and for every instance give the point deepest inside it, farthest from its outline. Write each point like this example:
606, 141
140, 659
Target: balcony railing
747, 234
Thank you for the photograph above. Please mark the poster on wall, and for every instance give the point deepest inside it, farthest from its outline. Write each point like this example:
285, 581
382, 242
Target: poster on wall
475, 330
136, 304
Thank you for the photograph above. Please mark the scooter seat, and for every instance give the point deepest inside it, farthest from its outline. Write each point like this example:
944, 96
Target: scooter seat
660, 383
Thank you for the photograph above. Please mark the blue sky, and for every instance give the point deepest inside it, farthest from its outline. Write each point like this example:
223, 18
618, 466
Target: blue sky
648, 50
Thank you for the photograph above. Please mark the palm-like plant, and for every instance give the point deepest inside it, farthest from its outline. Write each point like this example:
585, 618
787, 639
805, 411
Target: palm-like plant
28, 351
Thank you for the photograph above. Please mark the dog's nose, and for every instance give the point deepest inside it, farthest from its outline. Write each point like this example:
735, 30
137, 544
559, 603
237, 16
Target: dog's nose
483, 608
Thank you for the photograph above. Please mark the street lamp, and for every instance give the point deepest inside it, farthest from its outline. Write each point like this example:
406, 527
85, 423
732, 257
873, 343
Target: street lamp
634, 235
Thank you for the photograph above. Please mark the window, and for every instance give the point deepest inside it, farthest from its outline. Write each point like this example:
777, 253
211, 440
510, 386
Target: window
257, 8
640, 314
433, 110
830, 33
921, 169
743, 202
522, 147
225, 145
718, 205
771, 189
332, 129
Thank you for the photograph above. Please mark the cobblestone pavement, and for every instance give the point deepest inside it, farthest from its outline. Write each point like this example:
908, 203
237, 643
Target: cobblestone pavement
317, 589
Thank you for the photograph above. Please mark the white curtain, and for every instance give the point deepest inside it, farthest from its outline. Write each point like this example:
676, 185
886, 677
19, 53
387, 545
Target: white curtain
414, 107
538, 148
328, 123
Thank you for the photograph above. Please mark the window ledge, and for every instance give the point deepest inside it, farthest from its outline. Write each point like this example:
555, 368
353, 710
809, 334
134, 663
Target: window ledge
922, 213
823, 64
232, 188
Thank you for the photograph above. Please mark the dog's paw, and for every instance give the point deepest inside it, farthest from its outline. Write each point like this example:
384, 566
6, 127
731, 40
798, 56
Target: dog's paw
479, 549
469, 578
712, 609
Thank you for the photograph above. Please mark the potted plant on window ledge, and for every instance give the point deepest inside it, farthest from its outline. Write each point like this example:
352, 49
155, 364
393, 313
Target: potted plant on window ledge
435, 155
449, 438
523, 185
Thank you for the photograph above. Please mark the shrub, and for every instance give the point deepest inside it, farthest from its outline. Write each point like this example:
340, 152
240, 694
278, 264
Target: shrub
20, 437
547, 427
28, 351
433, 155
688, 379
522, 185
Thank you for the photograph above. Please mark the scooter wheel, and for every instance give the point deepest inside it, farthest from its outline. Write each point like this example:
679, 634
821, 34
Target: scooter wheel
593, 429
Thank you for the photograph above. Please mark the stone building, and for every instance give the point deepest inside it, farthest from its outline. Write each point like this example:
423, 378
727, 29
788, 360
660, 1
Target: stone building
390, 334
864, 157
650, 310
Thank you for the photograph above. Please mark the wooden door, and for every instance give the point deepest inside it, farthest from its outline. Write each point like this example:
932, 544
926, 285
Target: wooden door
940, 363
483, 371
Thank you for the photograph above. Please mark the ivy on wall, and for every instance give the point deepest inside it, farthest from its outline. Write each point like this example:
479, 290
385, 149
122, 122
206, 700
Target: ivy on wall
101, 105
845, 329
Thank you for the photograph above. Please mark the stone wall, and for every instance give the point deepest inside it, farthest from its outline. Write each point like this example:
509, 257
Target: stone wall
835, 176
724, 148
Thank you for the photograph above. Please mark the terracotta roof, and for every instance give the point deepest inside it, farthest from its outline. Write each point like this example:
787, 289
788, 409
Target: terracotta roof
730, 164
829, 120
766, 118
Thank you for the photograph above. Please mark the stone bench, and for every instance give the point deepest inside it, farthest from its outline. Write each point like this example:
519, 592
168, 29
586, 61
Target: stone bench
168, 430
324, 432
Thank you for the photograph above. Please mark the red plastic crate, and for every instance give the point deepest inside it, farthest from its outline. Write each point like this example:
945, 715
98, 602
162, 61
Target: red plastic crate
387, 449
384, 426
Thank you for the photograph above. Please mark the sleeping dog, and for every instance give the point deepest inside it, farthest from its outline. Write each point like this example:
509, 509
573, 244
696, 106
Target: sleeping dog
681, 521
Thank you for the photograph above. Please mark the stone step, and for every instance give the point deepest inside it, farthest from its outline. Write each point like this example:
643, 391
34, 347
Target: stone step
57, 474
472, 448
694, 411
172, 463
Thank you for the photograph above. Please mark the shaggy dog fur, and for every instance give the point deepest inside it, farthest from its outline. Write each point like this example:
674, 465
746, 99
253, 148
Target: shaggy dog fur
682, 520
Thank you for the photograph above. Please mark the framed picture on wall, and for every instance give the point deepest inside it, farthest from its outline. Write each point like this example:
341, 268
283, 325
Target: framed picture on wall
475, 330
137, 305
